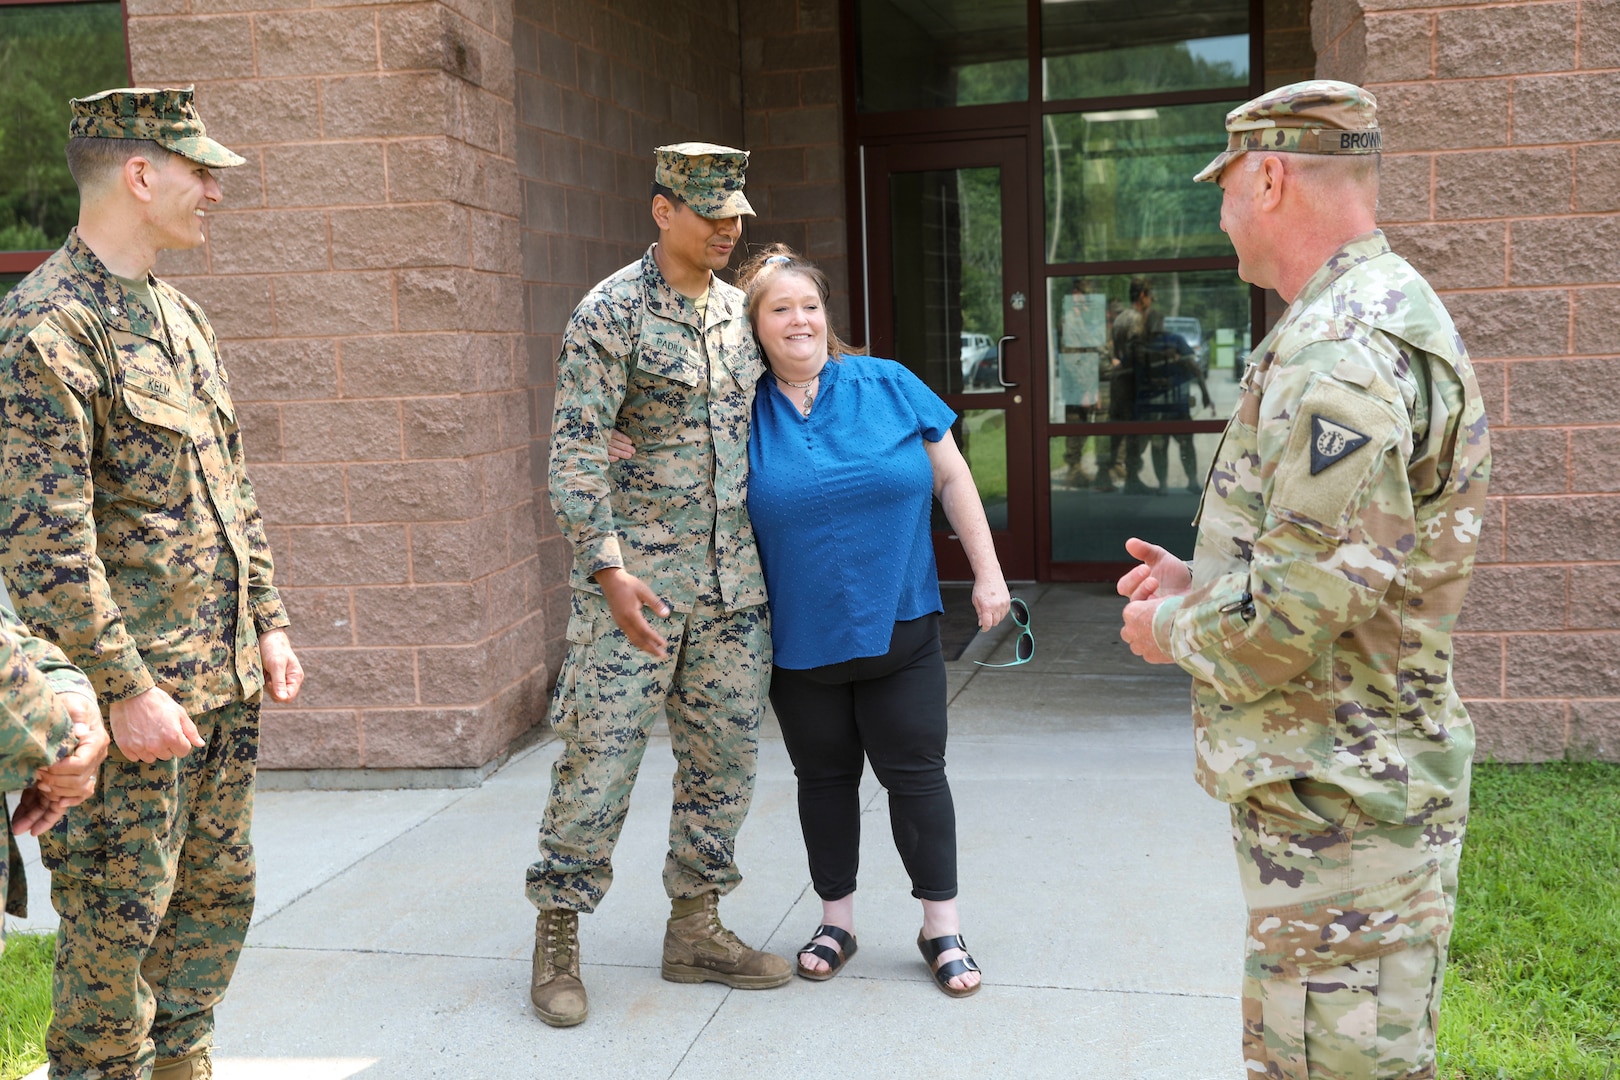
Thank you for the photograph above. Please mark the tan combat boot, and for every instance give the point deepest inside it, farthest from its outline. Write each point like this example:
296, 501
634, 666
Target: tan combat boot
197, 1065
698, 949
554, 986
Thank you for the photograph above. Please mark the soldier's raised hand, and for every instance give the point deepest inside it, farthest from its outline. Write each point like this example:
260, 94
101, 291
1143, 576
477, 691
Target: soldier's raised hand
626, 595
153, 727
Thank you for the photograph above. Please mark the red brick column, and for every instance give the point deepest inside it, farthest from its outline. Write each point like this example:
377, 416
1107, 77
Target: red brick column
1502, 149
363, 276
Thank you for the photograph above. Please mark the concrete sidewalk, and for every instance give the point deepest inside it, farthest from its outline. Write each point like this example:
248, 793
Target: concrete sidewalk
1098, 892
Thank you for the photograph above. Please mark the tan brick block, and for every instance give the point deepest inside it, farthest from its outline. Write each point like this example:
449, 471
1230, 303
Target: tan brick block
237, 306
1597, 177
446, 427
1570, 528
1397, 47
448, 299
179, 263
242, 187
319, 616
1592, 454
281, 369
225, 7
183, 49
496, 243
508, 595
358, 678
1492, 379
235, 114
392, 105
1571, 391
1445, 115
1476, 670
1503, 598
416, 491
268, 241
433, 234
366, 430
325, 174
1566, 108
427, 170
1492, 41
1595, 597
1557, 665
1470, 255
1594, 730
1565, 251
139, 9
316, 42
1503, 183
458, 550
457, 675
419, 614
1519, 730
1403, 188
334, 303
1522, 322
426, 738
1597, 321
1529, 461
409, 364
301, 739
261, 430
299, 494
1600, 33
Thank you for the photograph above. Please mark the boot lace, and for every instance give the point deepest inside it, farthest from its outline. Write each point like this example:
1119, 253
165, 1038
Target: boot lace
561, 943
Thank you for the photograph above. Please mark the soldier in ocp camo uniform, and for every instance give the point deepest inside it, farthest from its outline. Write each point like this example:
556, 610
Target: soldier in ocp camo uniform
1335, 542
51, 742
662, 350
129, 535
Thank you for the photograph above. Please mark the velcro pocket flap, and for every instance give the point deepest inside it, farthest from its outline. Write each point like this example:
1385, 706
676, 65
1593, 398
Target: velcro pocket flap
1339, 437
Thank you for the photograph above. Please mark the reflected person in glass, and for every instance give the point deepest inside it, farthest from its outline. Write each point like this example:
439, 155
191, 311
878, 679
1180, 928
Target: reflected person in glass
846, 454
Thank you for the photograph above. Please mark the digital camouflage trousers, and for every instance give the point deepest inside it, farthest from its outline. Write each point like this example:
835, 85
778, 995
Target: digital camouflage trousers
711, 686
1349, 919
153, 880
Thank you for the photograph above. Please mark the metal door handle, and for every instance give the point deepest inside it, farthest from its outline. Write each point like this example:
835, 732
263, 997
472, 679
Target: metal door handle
1001, 360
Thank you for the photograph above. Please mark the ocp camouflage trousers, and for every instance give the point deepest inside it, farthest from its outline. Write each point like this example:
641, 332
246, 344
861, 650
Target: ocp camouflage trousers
609, 694
153, 880
1349, 919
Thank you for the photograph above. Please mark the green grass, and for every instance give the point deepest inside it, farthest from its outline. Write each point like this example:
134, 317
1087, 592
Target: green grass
1533, 987
25, 1002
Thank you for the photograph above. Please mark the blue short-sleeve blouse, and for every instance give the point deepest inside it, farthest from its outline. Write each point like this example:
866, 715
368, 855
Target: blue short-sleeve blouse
840, 502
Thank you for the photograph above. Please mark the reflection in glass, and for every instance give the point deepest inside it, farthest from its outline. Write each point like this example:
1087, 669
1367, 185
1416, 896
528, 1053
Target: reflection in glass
946, 241
1089, 525
1119, 183
1109, 48
48, 54
929, 54
982, 435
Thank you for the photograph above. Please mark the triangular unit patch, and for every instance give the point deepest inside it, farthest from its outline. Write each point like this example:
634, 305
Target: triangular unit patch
1331, 442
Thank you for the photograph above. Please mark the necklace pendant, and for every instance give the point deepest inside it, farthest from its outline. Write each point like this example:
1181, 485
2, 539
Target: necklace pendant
809, 400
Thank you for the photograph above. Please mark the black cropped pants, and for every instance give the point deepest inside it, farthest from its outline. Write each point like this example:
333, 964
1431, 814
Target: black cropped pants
889, 709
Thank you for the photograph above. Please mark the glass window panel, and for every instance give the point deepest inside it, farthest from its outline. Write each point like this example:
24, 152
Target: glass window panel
48, 54
945, 229
1094, 354
1108, 48
982, 435
929, 54
1092, 525
1119, 183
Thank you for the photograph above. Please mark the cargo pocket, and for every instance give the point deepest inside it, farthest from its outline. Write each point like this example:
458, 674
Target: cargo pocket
575, 696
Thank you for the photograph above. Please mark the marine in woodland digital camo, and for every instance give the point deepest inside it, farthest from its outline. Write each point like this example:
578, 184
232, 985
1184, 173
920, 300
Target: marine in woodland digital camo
1335, 541
130, 535
668, 614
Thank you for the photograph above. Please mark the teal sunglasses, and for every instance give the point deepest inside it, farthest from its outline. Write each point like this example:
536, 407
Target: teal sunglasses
1024, 650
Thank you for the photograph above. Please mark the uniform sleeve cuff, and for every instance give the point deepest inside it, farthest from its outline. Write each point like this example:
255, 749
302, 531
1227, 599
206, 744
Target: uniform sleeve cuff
120, 678
601, 555
269, 613
1164, 622
70, 681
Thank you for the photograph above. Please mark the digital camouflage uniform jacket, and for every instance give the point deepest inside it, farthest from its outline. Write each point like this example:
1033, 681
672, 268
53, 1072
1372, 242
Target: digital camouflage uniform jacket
634, 357
1335, 542
34, 731
129, 534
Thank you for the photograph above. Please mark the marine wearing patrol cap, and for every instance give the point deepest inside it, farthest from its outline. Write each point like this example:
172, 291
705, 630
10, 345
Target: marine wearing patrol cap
706, 177
1319, 116
166, 117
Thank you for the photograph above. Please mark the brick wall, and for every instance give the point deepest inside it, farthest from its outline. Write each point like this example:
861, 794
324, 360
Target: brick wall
1499, 183
1289, 56
363, 277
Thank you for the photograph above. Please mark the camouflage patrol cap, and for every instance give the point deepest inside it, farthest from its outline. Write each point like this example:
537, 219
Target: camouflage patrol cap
1319, 116
706, 177
166, 117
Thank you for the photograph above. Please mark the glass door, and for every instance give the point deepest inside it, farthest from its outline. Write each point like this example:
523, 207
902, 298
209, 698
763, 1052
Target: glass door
949, 293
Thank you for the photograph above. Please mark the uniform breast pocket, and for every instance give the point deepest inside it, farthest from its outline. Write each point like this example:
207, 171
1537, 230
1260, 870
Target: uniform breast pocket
657, 357
143, 447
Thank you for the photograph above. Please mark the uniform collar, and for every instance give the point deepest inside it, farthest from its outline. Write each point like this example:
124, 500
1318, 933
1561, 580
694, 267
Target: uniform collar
1362, 249
121, 308
662, 299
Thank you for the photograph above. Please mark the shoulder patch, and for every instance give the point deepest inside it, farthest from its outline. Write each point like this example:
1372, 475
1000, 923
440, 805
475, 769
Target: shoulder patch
1331, 442
1336, 443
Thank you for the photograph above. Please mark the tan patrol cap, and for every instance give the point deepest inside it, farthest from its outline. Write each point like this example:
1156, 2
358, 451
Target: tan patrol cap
706, 177
1319, 116
166, 117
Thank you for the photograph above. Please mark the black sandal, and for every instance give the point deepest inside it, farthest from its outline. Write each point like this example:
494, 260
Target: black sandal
835, 960
944, 973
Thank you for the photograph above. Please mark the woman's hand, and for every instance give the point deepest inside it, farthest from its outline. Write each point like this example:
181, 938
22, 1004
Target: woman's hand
991, 600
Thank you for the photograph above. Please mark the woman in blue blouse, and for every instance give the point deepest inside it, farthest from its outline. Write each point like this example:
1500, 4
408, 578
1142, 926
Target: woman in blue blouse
846, 455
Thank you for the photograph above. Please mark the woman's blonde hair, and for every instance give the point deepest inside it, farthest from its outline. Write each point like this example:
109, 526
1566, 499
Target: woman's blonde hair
761, 267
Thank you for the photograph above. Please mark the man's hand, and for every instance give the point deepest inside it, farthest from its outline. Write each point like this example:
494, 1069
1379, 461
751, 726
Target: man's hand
1160, 574
626, 595
73, 779
283, 674
153, 727
1138, 631
620, 448
36, 812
